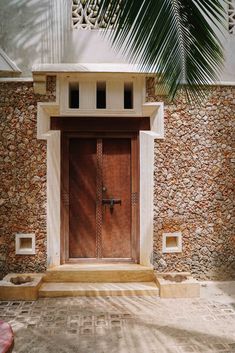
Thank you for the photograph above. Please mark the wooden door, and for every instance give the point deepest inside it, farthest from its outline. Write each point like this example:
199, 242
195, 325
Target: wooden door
100, 217
82, 198
116, 221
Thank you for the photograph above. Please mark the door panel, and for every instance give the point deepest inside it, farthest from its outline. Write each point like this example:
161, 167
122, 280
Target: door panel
82, 198
97, 168
116, 221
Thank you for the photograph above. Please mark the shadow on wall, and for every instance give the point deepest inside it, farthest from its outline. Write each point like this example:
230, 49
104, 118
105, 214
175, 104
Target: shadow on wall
34, 32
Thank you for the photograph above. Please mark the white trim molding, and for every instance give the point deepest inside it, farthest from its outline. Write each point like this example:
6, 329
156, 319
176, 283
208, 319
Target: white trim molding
86, 68
147, 139
7, 65
16, 79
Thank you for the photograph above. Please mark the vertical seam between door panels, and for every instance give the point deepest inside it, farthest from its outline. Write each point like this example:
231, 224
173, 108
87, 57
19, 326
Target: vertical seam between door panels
99, 156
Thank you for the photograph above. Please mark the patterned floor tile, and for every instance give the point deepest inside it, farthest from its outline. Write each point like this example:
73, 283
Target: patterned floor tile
121, 325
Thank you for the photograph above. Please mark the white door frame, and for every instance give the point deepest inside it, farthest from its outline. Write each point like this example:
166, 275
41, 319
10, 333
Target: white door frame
155, 110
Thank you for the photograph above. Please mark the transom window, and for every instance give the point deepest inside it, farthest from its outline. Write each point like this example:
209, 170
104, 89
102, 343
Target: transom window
98, 90
128, 95
74, 95
101, 94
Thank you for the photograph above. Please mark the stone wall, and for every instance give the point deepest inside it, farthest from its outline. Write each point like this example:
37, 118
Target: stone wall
23, 175
194, 185
194, 171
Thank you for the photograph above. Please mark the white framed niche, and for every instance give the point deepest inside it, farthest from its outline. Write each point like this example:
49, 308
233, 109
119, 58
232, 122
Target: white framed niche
172, 242
25, 244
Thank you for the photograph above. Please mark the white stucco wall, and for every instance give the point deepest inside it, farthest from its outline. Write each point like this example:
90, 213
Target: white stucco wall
34, 32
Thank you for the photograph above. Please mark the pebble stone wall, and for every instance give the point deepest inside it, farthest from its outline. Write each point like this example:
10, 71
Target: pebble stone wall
194, 181
23, 175
194, 184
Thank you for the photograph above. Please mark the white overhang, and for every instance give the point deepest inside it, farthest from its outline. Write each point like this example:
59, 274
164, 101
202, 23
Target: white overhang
40, 71
86, 68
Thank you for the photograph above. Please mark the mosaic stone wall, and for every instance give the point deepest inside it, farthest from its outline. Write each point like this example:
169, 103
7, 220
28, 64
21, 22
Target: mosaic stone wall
194, 181
23, 175
194, 184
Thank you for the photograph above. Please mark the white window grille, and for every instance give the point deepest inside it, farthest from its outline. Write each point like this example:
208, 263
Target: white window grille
86, 16
231, 16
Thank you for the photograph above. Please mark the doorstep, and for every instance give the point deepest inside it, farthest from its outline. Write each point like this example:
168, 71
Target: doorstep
52, 290
93, 272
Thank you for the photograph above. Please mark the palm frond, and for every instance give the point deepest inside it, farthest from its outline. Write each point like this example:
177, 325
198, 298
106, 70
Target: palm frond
175, 39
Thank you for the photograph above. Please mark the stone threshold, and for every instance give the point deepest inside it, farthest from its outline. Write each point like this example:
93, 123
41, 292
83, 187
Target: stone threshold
119, 272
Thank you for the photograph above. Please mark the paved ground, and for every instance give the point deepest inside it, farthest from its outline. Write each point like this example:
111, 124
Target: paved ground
130, 324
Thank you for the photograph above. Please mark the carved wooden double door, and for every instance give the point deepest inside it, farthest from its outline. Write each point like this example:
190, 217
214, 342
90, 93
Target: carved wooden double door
100, 197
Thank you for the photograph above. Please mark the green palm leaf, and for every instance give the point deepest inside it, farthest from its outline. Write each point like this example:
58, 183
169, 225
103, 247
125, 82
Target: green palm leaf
175, 39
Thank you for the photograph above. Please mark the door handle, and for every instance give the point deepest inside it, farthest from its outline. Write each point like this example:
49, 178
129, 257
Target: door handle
111, 202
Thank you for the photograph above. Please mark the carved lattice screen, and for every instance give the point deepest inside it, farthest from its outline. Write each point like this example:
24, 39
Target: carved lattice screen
86, 16
231, 16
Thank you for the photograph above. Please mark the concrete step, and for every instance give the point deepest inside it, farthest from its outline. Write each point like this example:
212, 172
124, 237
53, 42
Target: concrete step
66, 289
100, 273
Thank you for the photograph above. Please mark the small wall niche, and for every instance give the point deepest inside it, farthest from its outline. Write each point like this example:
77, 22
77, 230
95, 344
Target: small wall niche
74, 95
25, 244
101, 95
128, 95
172, 242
